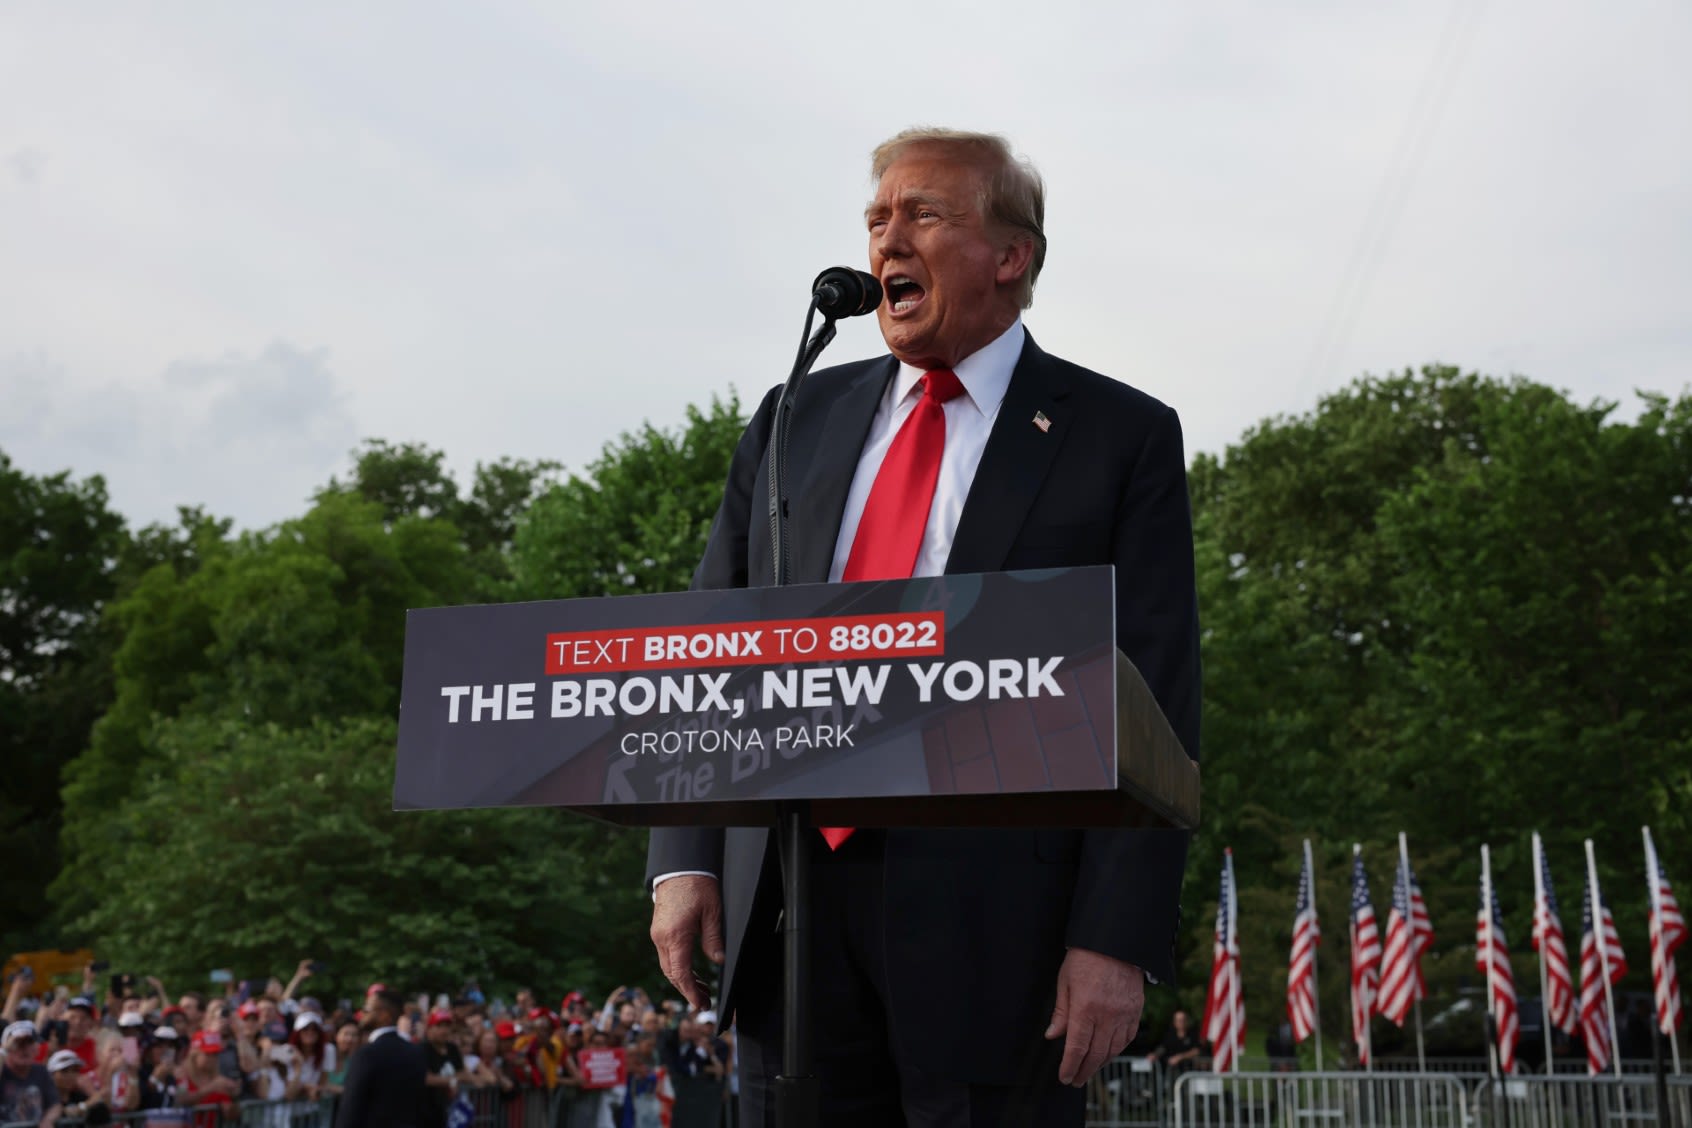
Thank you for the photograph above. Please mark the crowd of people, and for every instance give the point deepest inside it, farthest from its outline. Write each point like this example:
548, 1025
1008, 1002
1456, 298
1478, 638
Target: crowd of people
86, 1057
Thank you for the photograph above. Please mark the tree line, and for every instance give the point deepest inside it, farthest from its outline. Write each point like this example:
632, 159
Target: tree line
1442, 603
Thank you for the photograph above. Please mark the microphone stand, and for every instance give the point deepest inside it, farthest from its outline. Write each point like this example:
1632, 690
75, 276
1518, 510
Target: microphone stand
798, 1095
809, 350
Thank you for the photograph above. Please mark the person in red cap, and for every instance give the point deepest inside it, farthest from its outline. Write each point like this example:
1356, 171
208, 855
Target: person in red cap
443, 1066
202, 1083
541, 1047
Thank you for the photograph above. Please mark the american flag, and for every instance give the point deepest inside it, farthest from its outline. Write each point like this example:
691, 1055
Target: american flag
1553, 952
1408, 934
1301, 971
1224, 1007
1492, 959
1668, 933
1594, 1011
1365, 957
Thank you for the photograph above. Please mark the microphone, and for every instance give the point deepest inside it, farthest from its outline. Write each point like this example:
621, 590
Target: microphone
841, 291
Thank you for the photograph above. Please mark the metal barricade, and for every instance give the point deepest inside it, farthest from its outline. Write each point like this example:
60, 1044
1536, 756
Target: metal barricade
492, 1107
1129, 1092
1537, 1101
247, 1114
1343, 1100
285, 1114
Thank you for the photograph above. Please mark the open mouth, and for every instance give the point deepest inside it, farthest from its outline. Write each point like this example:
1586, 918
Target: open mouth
903, 293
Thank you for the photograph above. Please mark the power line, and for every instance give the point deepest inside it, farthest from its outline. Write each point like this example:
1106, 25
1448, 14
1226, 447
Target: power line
1386, 209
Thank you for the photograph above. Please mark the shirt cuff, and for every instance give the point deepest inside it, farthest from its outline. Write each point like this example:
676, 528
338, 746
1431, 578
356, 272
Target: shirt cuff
663, 877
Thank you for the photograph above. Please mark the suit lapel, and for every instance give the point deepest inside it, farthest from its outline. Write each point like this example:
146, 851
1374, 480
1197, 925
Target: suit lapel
1013, 465
820, 499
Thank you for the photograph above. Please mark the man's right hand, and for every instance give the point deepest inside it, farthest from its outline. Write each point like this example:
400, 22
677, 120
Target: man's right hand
686, 909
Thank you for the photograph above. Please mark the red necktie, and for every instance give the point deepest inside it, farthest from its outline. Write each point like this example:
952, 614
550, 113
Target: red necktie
890, 531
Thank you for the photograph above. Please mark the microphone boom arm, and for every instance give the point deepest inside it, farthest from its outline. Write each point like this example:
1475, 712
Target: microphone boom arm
810, 347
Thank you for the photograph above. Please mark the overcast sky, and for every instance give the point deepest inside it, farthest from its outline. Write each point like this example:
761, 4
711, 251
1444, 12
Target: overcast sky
235, 239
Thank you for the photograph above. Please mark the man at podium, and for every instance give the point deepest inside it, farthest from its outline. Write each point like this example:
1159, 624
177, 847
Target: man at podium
973, 976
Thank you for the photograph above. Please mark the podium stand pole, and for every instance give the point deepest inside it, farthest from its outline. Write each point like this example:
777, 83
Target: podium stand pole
797, 1095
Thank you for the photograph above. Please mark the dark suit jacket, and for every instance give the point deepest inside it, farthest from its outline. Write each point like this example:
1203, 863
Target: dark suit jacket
978, 920
384, 1087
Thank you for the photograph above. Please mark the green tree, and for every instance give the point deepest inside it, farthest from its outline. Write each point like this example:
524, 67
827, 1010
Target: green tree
258, 844
59, 550
1444, 604
251, 743
636, 520
299, 624
411, 480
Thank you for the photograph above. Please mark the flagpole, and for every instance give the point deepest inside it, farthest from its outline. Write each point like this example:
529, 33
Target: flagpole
1415, 950
1491, 962
1654, 879
1315, 988
1368, 1053
1603, 953
1233, 939
1544, 980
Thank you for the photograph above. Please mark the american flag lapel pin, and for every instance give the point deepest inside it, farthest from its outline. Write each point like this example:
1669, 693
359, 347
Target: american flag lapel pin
1042, 422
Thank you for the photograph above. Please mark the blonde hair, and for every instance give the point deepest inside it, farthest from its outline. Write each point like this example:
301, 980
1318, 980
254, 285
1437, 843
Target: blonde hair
1012, 195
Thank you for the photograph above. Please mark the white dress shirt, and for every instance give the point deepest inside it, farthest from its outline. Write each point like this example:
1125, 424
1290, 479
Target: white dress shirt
985, 375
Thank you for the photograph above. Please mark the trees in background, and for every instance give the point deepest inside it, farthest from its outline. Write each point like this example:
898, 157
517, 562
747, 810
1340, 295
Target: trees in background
1438, 603
234, 801
60, 546
1452, 606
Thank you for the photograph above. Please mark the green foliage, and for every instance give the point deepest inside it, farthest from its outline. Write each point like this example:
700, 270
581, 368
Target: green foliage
59, 548
1448, 605
251, 845
1439, 603
411, 480
300, 624
247, 759
636, 522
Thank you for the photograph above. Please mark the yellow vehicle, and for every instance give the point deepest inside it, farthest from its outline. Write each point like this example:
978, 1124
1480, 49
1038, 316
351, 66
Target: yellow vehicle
51, 966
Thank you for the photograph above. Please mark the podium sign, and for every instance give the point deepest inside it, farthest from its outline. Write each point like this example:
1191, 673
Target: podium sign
868, 699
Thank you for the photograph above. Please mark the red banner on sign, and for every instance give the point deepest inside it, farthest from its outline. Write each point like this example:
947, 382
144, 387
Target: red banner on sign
602, 1068
768, 642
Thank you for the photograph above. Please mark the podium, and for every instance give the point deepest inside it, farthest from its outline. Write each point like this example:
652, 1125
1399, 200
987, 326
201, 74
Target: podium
947, 701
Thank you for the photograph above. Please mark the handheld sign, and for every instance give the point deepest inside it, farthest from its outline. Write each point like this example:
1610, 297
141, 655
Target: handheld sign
603, 1068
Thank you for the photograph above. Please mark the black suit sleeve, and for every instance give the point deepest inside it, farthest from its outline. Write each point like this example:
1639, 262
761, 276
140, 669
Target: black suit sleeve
724, 565
1128, 887
353, 1109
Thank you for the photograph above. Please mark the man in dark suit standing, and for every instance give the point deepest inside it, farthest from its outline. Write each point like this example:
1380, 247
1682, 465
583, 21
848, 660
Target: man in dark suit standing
961, 977
384, 1086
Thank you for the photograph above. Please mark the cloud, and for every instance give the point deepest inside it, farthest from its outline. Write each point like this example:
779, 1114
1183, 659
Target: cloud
249, 435
536, 226
25, 164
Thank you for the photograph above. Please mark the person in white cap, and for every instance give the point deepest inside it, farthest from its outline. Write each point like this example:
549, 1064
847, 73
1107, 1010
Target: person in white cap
27, 1092
74, 1101
313, 1055
158, 1069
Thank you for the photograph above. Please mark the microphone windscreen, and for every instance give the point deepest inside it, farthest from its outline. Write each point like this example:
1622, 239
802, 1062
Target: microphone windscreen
841, 291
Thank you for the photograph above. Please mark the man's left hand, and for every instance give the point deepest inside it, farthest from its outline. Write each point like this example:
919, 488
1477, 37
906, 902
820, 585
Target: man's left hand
1099, 1000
